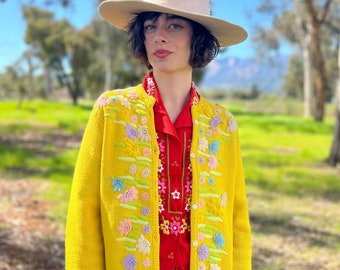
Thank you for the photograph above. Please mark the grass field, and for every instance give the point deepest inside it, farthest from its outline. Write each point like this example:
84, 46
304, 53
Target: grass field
294, 197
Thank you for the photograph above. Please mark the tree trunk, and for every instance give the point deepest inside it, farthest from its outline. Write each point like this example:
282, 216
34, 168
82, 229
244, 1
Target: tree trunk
334, 156
108, 58
307, 77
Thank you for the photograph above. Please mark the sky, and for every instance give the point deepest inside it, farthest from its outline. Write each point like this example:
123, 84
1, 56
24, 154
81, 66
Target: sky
12, 30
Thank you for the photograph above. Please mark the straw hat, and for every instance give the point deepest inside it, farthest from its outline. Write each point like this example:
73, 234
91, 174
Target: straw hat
121, 12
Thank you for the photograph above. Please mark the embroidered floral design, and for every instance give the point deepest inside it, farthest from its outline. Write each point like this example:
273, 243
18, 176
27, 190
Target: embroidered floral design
212, 162
232, 125
161, 187
133, 169
143, 245
203, 144
188, 186
102, 101
130, 132
145, 211
203, 252
134, 118
214, 267
202, 267
215, 121
130, 262
128, 195
214, 147
146, 172
146, 152
147, 262
176, 194
175, 227
219, 240
124, 227
224, 199
146, 229
143, 134
165, 228
117, 184
184, 226
145, 196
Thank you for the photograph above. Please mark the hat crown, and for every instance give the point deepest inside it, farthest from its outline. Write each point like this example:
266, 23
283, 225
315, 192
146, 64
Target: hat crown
191, 6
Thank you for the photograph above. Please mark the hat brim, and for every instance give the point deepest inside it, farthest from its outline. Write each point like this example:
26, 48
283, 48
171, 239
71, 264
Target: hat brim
120, 13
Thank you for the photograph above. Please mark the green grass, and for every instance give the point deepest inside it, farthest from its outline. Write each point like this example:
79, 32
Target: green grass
293, 195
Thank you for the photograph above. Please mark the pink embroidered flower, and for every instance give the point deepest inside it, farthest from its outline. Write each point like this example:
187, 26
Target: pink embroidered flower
203, 144
188, 186
161, 147
212, 162
132, 95
134, 118
200, 236
124, 227
145, 196
143, 245
161, 187
102, 101
128, 195
202, 180
146, 152
175, 227
147, 262
200, 203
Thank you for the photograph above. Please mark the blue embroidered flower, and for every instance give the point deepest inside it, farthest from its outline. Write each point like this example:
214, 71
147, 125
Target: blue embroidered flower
219, 240
117, 184
130, 262
214, 147
211, 180
203, 252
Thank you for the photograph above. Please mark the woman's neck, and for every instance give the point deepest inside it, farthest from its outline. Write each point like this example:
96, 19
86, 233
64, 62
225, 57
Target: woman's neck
174, 89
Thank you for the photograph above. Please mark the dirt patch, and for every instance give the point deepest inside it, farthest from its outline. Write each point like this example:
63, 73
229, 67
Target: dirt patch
29, 237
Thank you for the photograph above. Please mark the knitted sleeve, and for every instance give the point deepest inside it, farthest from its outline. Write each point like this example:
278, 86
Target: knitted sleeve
242, 231
84, 243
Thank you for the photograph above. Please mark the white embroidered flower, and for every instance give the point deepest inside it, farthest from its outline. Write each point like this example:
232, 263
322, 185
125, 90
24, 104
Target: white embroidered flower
202, 267
224, 200
214, 267
143, 245
160, 208
176, 194
203, 144
232, 125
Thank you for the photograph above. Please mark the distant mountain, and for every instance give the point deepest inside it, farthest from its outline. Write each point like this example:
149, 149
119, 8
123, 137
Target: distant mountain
236, 73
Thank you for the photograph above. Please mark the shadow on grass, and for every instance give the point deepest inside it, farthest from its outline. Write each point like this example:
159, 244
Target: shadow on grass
42, 254
286, 227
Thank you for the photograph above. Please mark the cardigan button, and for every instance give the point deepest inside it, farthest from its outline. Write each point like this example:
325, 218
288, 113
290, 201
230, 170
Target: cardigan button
192, 155
194, 206
195, 243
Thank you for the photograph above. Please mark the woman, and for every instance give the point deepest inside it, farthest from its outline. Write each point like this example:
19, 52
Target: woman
159, 180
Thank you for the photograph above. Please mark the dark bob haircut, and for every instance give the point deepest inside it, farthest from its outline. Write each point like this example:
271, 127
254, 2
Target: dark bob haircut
204, 46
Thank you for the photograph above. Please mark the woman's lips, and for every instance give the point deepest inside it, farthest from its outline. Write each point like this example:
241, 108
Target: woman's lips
162, 53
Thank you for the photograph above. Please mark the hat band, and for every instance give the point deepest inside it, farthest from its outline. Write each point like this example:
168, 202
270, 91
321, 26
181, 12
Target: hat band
200, 6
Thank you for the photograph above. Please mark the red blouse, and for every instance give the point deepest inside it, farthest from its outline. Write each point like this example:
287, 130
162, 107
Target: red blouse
174, 179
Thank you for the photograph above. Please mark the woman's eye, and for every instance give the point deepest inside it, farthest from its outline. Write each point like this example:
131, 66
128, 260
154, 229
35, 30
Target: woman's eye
175, 26
149, 27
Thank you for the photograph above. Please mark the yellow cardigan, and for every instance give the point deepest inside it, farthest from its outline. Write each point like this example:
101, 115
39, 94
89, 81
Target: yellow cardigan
115, 180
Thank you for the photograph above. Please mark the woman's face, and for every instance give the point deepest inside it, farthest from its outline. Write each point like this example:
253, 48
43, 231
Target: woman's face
167, 43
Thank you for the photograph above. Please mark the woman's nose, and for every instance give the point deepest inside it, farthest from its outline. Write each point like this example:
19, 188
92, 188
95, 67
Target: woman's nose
160, 36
